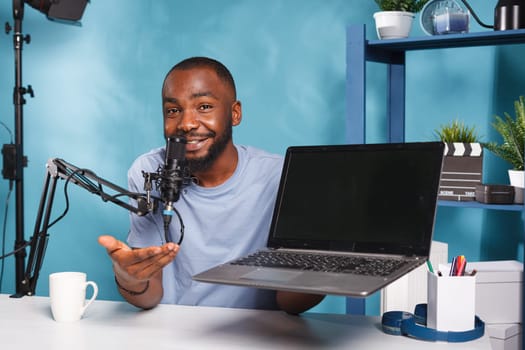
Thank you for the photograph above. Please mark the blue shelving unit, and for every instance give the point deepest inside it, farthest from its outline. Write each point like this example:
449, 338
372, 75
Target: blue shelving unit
392, 53
473, 204
359, 51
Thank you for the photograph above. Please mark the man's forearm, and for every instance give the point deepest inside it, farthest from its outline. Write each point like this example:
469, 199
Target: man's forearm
143, 294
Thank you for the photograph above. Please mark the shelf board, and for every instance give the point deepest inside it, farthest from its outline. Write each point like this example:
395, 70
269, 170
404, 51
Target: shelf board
474, 204
492, 38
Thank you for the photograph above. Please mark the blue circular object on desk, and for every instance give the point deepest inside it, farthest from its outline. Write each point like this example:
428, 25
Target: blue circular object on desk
414, 325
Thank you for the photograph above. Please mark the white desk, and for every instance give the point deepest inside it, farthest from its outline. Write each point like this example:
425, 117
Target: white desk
27, 323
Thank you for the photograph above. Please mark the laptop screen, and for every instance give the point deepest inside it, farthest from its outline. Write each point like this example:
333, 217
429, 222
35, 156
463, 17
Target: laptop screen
372, 198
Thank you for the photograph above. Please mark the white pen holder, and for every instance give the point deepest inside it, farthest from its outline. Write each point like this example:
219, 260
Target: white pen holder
451, 302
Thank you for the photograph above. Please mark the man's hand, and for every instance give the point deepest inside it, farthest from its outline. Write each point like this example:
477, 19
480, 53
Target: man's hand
137, 264
139, 269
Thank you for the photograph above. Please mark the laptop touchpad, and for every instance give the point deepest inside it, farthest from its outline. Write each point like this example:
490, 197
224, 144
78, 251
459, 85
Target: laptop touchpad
265, 275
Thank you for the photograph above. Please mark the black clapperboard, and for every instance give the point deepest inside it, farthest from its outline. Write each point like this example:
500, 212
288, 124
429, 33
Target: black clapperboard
462, 171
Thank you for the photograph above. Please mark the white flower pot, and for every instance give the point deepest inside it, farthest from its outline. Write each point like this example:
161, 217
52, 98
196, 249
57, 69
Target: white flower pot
393, 24
517, 179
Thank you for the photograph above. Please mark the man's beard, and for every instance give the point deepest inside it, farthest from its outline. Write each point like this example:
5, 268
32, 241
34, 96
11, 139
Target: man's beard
204, 163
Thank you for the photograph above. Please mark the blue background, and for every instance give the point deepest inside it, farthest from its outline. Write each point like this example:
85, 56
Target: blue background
97, 105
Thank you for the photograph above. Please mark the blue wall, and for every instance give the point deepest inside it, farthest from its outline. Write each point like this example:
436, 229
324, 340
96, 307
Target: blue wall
97, 105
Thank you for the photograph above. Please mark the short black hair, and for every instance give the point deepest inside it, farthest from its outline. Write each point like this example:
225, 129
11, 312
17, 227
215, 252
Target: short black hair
205, 62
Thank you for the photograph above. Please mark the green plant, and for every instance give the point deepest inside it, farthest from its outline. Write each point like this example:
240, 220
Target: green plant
413, 6
457, 132
512, 131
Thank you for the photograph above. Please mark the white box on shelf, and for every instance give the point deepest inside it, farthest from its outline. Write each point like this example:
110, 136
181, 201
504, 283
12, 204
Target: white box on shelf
499, 290
505, 336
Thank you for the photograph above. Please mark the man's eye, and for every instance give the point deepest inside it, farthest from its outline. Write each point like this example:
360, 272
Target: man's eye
204, 107
172, 111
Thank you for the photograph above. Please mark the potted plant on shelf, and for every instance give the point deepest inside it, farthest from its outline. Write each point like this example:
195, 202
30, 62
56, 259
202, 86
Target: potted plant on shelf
462, 164
394, 21
512, 131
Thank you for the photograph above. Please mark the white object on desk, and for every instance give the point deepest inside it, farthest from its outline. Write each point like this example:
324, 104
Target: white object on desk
26, 323
499, 290
411, 289
505, 336
451, 302
67, 291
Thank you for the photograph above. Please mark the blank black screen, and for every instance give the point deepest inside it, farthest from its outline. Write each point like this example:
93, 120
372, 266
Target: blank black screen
378, 197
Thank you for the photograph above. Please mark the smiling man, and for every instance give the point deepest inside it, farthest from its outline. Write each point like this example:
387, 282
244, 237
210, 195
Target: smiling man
226, 211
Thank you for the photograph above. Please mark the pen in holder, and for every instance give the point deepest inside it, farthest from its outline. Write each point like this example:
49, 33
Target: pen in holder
451, 302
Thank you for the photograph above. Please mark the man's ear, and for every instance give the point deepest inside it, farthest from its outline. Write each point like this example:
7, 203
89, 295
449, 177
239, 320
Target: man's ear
236, 113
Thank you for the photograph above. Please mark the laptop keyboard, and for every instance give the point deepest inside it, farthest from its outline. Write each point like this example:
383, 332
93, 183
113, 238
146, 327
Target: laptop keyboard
360, 265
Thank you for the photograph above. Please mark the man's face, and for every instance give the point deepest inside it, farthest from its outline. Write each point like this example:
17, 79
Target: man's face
200, 106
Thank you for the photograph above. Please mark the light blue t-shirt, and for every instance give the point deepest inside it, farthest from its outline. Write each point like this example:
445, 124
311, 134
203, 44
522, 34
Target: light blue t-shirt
221, 223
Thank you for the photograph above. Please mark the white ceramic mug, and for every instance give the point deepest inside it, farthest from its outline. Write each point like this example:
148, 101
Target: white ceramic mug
67, 291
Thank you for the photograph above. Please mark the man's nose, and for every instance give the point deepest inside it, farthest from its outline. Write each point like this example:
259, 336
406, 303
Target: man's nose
188, 122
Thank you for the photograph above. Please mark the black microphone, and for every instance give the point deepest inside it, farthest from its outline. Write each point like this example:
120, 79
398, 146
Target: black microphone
173, 176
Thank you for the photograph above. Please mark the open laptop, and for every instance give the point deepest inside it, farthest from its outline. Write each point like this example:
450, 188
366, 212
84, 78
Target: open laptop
366, 203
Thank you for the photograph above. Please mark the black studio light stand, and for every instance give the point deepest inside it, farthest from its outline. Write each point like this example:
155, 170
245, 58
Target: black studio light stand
65, 11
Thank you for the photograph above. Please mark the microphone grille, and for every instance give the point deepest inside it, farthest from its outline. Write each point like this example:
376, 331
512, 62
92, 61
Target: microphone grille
176, 147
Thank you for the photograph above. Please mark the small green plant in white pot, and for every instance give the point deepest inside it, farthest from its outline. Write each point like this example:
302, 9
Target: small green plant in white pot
394, 20
511, 149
